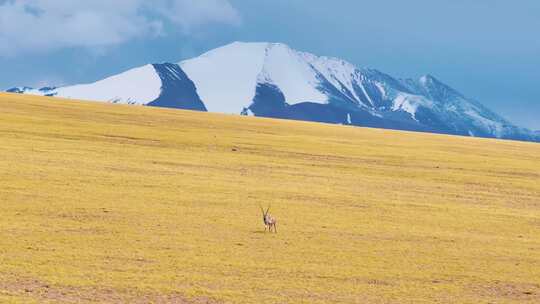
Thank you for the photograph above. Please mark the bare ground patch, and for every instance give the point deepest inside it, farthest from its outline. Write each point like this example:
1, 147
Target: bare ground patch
43, 292
521, 292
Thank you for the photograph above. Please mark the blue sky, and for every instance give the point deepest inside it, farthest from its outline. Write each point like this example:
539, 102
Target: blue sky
487, 49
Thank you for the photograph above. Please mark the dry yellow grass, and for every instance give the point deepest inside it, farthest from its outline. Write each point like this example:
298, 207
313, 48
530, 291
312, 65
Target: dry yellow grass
110, 203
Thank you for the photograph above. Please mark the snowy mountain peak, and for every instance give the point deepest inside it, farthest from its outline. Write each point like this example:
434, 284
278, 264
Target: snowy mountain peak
429, 82
297, 74
432, 88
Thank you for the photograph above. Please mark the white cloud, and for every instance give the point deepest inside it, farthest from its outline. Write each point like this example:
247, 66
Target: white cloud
193, 13
45, 25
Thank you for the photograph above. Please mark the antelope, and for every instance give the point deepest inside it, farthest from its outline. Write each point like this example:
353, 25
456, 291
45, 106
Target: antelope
268, 220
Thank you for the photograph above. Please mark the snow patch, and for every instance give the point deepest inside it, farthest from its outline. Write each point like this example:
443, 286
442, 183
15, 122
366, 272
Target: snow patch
410, 103
226, 77
338, 72
381, 89
137, 86
290, 71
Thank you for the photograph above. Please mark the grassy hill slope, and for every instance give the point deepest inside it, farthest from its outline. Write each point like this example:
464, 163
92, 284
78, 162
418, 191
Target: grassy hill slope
111, 203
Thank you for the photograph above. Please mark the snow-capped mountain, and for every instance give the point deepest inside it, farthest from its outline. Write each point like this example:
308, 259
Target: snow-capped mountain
273, 80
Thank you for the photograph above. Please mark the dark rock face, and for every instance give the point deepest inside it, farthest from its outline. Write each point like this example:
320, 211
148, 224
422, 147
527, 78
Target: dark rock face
18, 90
177, 90
269, 101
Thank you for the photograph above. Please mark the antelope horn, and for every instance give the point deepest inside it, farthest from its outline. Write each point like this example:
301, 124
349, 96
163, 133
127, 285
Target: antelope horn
268, 209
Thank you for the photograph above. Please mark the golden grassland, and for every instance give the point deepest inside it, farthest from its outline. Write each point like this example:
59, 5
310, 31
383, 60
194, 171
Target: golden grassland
111, 203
